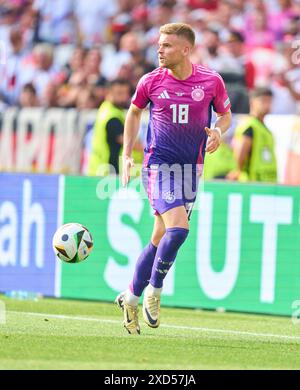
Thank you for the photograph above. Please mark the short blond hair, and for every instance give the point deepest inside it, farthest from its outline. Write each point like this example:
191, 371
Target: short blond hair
179, 29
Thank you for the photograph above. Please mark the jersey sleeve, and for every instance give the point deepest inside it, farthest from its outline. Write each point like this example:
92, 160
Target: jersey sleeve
248, 132
141, 96
221, 101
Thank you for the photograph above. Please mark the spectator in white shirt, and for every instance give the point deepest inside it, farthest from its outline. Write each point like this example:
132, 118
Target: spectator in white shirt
286, 83
41, 70
56, 21
7, 22
93, 17
10, 82
130, 47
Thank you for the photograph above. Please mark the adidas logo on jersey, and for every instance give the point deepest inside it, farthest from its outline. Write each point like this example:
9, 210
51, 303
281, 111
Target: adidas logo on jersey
164, 95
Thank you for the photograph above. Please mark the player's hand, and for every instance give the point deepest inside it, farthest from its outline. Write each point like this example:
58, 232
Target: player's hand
128, 163
214, 140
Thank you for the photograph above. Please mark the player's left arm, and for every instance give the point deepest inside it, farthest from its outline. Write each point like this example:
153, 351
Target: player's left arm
214, 135
221, 104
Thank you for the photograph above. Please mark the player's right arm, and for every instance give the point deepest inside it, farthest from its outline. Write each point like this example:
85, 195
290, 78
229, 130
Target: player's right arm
131, 129
139, 101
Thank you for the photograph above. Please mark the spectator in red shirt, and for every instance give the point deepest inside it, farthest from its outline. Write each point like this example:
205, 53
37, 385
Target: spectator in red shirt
210, 5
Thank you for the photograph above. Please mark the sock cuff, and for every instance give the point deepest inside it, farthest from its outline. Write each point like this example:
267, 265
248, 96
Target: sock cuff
178, 229
152, 290
131, 299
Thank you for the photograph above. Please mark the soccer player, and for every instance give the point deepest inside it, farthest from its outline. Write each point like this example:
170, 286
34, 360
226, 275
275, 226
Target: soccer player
181, 97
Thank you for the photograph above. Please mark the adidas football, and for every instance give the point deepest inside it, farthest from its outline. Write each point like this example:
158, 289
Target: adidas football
72, 243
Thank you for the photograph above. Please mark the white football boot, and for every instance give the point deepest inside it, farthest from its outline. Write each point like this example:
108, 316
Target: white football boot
151, 309
131, 320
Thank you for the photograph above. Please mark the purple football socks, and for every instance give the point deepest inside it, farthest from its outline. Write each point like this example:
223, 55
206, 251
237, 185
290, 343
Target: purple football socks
143, 270
166, 254
154, 263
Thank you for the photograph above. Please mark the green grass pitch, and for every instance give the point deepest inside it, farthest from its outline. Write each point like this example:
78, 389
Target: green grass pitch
60, 334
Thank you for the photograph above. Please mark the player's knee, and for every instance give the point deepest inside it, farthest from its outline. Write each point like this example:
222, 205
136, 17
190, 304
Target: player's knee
179, 223
157, 236
155, 241
176, 236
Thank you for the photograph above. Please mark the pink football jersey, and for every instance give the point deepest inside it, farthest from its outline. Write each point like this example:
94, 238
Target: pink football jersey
179, 112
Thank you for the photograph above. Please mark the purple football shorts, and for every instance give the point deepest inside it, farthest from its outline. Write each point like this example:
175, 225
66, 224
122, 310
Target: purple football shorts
169, 187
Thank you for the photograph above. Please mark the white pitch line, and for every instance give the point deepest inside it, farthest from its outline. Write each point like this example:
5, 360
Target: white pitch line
178, 327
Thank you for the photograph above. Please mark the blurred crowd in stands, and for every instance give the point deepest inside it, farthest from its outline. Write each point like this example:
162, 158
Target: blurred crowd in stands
62, 53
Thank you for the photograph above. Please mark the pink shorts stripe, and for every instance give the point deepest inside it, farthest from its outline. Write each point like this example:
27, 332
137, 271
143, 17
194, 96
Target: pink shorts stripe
147, 158
152, 175
200, 155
